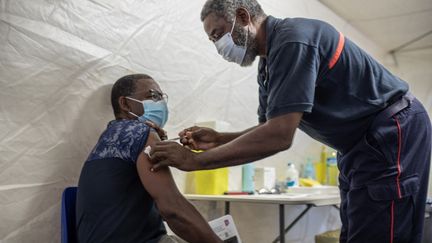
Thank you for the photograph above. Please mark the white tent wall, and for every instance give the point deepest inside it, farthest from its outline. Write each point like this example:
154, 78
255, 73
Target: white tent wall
58, 62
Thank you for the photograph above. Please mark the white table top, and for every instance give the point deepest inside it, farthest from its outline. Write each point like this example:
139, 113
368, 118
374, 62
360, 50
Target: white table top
315, 199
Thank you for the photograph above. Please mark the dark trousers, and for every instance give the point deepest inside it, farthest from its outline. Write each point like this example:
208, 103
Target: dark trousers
384, 177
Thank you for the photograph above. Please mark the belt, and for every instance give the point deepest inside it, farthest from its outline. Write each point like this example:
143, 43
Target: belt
395, 107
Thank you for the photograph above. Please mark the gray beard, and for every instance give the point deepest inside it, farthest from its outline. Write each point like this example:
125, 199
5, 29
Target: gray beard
251, 52
249, 41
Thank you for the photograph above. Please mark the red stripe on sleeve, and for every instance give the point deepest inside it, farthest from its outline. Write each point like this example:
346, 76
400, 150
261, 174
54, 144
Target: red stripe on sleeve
338, 51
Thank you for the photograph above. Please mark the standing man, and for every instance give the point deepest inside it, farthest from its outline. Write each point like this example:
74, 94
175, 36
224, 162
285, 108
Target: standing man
312, 77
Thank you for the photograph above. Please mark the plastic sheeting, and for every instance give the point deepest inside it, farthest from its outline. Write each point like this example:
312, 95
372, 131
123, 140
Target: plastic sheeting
58, 62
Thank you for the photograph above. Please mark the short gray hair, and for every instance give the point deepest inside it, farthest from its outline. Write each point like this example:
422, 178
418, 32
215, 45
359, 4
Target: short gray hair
227, 8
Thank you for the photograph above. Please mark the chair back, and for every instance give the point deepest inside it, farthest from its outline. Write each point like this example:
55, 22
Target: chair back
68, 219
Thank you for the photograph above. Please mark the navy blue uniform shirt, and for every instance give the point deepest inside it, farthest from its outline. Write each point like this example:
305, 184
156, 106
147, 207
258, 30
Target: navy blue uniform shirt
112, 204
338, 97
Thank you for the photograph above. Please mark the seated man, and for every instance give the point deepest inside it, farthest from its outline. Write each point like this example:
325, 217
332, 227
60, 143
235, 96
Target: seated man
119, 199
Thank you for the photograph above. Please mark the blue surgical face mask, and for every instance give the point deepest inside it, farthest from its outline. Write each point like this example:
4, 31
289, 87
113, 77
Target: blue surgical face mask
229, 50
154, 111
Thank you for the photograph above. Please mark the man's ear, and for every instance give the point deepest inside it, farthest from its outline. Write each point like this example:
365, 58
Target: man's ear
123, 104
243, 16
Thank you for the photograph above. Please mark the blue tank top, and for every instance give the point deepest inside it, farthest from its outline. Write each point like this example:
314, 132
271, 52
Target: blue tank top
112, 204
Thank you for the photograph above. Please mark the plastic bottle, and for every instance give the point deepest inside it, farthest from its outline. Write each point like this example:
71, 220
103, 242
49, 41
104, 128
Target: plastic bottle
308, 170
332, 170
292, 176
321, 166
248, 171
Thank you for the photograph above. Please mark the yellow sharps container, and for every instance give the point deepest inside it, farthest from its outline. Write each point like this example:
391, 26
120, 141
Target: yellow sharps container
210, 182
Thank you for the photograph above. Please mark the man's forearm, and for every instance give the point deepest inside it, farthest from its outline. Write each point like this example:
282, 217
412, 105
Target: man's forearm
187, 222
255, 144
226, 137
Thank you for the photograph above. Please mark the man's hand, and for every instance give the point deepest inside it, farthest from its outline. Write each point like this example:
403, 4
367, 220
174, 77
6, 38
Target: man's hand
199, 138
170, 153
162, 133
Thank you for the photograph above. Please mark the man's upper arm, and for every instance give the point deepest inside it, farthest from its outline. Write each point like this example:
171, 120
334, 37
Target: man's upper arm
159, 184
292, 75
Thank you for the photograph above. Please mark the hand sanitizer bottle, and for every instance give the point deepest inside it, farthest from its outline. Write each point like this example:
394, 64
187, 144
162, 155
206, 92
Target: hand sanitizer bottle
292, 176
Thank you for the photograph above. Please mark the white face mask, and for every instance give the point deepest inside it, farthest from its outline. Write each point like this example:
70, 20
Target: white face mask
229, 50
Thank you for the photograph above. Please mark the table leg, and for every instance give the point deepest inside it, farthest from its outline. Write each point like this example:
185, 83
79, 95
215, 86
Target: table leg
282, 232
281, 223
227, 207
